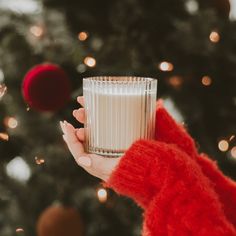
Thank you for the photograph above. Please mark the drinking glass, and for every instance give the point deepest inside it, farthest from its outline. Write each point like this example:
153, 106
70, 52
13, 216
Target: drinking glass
118, 111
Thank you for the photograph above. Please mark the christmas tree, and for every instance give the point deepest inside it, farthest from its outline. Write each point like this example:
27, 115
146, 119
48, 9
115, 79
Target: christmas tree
188, 45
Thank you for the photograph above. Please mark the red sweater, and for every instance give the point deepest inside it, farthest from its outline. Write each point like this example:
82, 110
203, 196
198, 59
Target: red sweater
182, 193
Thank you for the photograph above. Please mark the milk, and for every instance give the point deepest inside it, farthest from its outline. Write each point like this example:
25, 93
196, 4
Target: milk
115, 121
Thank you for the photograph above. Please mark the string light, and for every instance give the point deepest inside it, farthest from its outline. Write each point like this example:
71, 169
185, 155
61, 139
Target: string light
192, 6
206, 80
10, 122
102, 194
3, 90
18, 169
19, 230
37, 31
175, 81
90, 61
28, 109
82, 36
166, 66
214, 37
4, 136
39, 161
223, 145
233, 152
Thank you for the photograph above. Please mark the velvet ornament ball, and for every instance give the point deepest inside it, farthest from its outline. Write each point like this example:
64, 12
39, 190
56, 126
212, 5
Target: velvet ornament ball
59, 221
46, 87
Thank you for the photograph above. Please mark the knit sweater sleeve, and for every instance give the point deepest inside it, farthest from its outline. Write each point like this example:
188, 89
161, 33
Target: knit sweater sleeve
178, 199
167, 130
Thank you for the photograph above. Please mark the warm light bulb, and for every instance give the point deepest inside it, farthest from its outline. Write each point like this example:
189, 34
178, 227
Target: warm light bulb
11, 122
175, 81
166, 66
4, 137
37, 31
214, 37
206, 80
39, 161
233, 152
19, 230
102, 194
82, 36
231, 137
223, 145
89, 61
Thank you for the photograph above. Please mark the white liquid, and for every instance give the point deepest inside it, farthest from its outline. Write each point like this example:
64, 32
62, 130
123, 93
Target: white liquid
115, 121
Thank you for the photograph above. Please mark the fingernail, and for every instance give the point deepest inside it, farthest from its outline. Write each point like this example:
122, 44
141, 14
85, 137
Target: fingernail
64, 137
74, 112
65, 124
61, 124
84, 161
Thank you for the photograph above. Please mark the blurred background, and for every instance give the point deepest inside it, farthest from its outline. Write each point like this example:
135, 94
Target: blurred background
48, 46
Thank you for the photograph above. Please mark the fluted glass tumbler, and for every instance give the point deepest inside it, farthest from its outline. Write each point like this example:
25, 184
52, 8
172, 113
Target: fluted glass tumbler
119, 111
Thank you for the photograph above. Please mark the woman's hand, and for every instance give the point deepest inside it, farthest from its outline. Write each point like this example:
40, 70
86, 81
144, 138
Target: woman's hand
95, 165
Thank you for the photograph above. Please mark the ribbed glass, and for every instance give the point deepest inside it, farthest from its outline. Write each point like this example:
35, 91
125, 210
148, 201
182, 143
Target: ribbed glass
119, 111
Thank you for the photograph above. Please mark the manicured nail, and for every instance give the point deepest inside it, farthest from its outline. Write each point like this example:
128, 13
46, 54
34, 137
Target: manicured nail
84, 161
64, 137
62, 127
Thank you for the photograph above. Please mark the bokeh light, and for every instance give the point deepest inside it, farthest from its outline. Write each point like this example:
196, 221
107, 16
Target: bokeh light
18, 169
81, 68
19, 230
166, 66
10, 122
223, 145
102, 194
214, 37
175, 81
82, 36
233, 152
37, 31
90, 61
206, 80
39, 160
4, 136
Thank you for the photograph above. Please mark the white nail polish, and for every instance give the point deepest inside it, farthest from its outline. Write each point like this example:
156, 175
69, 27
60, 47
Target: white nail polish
61, 124
64, 137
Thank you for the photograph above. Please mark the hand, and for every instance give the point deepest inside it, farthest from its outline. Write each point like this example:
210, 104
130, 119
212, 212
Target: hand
95, 165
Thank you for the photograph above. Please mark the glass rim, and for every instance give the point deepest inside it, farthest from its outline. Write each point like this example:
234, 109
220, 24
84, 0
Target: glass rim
119, 78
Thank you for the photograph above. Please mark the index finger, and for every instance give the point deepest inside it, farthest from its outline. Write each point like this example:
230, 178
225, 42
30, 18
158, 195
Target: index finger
80, 100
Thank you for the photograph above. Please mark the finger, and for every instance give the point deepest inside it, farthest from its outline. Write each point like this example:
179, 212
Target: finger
80, 134
62, 127
80, 100
79, 115
100, 166
75, 146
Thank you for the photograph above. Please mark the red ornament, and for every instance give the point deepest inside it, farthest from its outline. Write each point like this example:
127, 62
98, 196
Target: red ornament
46, 87
59, 221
